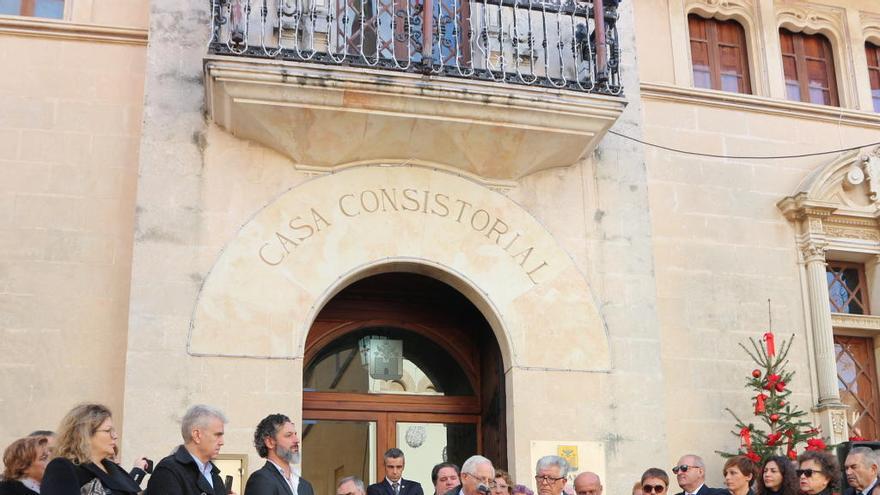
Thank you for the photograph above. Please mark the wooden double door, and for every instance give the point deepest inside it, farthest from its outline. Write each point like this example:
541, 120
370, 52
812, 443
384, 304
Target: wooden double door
401, 361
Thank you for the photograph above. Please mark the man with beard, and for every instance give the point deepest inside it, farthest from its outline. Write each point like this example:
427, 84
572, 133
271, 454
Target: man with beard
276, 441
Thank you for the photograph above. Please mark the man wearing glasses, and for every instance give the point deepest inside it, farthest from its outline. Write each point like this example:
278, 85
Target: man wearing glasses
550, 473
477, 477
691, 476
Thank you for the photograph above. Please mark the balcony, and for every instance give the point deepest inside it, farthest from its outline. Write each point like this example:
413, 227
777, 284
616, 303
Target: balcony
496, 88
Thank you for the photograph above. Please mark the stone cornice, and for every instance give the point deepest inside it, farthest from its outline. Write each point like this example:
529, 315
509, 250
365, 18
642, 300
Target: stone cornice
855, 322
52, 29
759, 104
799, 206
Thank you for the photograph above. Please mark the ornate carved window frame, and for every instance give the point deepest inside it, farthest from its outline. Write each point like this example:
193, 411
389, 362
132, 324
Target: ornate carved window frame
831, 23
741, 11
836, 213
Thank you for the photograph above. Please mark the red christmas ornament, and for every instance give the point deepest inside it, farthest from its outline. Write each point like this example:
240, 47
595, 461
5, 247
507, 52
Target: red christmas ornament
780, 386
792, 454
745, 435
772, 380
816, 444
773, 438
756, 373
771, 344
753, 456
760, 406
774, 417
782, 403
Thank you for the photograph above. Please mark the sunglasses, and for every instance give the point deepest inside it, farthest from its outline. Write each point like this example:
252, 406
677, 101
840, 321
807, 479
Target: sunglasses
683, 468
806, 472
653, 488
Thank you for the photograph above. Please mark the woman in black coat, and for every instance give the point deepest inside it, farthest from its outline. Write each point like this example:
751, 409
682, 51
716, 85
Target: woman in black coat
24, 462
85, 449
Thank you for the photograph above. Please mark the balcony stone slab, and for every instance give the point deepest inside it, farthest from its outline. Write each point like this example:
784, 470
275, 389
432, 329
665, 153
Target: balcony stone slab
323, 116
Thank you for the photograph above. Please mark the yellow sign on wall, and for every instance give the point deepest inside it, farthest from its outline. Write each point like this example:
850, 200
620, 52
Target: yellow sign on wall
570, 454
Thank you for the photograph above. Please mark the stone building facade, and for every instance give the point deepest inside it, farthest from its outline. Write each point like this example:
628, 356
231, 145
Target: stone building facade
190, 217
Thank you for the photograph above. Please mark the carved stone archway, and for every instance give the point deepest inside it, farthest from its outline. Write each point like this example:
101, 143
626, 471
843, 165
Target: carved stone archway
266, 287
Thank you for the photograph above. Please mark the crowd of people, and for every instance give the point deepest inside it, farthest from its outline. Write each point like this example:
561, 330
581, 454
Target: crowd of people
81, 459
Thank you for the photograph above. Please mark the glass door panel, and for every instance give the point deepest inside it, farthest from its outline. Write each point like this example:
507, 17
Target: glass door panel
426, 444
333, 449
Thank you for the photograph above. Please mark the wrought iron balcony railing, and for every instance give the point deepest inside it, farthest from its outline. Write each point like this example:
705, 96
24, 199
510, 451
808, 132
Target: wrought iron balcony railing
561, 44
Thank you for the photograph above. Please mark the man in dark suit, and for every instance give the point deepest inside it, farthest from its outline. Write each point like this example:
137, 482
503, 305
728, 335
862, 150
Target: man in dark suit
690, 472
189, 470
394, 484
861, 471
276, 441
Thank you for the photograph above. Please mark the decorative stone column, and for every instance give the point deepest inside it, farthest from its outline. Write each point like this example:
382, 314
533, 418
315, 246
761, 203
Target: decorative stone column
831, 410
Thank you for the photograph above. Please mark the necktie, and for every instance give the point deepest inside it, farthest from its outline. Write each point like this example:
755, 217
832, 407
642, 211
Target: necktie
396, 487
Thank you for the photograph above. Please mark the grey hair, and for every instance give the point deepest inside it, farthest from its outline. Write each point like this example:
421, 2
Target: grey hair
197, 417
552, 460
698, 461
470, 465
869, 456
358, 483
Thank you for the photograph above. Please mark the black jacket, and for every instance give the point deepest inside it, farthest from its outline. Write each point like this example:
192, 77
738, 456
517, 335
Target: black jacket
268, 481
63, 477
407, 487
14, 487
705, 490
178, 474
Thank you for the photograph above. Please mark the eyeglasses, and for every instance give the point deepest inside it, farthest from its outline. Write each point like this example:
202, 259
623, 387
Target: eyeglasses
806, 472
653, 488
485, 481
547, 480
683, 468
110, 431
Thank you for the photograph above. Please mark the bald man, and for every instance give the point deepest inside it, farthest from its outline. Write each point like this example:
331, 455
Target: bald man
588, 483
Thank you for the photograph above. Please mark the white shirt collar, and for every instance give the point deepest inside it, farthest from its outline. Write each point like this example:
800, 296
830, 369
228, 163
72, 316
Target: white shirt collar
293, 481
205, 468
399, 482
867, 491
31, 483
697, 490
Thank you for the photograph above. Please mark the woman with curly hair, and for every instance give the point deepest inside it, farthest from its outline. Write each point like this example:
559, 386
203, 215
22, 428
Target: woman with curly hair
818, 472
778, 477
24, 462
85, 448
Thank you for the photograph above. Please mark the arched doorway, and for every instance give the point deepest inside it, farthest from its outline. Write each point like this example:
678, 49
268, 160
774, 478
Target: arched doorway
400, 360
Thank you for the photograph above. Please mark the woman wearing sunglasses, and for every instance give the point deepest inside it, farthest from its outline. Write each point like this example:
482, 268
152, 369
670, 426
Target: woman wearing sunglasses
739, 471
818, 472
654, 482
778, 477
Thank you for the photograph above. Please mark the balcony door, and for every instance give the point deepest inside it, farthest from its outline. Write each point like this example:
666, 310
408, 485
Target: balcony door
397, 360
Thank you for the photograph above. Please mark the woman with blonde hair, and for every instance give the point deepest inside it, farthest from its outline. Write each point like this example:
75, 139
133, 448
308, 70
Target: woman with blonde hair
24, 462
85, 448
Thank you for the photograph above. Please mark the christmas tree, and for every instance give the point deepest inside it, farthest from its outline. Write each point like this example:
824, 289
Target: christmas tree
784, 427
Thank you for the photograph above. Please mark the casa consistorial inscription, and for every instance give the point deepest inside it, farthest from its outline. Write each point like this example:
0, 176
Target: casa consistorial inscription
354, 206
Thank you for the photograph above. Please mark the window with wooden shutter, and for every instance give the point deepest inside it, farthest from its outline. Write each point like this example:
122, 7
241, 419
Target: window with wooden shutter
873, 53
857, 381
808, 65
52, 9
718, 54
